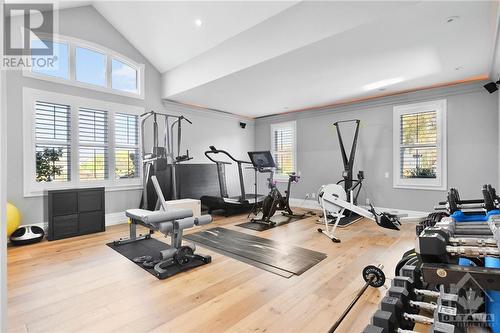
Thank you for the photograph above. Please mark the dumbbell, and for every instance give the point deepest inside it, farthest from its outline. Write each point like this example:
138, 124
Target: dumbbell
375, 329
437, 327
391, 322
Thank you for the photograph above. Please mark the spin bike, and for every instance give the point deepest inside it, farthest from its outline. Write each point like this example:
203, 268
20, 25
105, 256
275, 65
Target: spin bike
274, 201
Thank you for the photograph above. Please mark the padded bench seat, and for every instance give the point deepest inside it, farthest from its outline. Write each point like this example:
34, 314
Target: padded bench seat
158, 216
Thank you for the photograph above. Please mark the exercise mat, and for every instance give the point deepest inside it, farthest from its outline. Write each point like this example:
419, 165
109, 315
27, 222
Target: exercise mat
262, 251
151, 247
278, 219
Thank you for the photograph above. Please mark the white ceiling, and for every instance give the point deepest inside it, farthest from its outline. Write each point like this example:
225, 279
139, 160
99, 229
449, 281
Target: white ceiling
166, 33
262, 58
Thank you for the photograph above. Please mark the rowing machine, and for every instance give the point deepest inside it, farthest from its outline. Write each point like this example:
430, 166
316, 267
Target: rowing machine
333, 199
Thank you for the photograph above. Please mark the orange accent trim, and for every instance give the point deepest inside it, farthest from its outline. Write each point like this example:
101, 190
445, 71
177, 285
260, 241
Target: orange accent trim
364, 99
348, 101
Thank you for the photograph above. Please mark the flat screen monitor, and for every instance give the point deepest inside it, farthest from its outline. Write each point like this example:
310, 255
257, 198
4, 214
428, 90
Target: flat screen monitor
261, 159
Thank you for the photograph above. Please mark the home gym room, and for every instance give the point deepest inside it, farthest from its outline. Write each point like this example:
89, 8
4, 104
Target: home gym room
250, 166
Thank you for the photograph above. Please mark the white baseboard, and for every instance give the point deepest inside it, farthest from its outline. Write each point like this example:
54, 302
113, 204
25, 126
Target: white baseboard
407, 215
115, 218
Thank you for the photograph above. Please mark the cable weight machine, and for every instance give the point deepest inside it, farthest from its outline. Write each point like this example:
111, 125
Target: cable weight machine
160, 158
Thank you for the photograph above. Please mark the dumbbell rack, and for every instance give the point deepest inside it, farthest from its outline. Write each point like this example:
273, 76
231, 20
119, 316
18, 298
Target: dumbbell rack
453, 281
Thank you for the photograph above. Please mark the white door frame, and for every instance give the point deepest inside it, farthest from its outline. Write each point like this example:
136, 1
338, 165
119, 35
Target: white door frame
3, 190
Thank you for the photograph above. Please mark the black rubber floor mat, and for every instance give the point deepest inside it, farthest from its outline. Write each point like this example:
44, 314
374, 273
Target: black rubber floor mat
285, 257
278, 219
151, 247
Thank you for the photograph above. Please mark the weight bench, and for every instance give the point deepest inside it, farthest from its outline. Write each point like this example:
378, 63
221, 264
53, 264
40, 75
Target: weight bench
169, 222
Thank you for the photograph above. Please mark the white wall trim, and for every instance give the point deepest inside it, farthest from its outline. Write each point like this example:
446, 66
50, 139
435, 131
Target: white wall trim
3, 190
110, 54
115, 218
202, 111
30, 186
109, 220
440, 182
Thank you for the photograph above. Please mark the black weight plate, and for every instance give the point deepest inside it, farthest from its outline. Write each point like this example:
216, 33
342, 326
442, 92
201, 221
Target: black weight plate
379, 279
184, 255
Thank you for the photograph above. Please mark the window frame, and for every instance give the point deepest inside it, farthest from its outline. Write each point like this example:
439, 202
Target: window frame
137, 146
95, 145
73, 43
440, 182
283, 177
33, 188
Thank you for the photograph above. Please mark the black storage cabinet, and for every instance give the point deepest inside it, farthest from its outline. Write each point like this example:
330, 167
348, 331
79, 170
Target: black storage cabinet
75, 212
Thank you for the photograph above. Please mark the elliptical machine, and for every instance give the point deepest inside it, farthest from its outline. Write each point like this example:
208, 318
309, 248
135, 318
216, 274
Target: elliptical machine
263, 162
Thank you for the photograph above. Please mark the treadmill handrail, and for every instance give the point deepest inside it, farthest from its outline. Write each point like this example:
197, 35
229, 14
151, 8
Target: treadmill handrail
216, 162
214, 150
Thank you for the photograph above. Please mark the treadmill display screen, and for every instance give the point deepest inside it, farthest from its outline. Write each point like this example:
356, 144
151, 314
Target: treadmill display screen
262, 159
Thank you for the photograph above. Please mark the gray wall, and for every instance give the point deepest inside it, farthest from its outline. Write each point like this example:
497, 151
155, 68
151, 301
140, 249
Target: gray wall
87, 24
472, 124
222, 131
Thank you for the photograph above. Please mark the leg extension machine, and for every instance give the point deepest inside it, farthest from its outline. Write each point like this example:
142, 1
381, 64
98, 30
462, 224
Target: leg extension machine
169, 222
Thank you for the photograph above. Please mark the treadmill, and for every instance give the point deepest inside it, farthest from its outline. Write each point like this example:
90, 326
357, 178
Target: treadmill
244, 202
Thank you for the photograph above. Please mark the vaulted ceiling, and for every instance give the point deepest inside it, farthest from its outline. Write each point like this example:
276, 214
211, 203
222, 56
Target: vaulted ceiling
257, 58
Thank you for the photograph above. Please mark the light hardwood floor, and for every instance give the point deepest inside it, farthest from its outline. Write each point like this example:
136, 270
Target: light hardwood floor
80, 284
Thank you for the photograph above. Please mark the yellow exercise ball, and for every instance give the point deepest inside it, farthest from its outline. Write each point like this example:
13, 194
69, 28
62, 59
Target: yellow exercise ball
13, 218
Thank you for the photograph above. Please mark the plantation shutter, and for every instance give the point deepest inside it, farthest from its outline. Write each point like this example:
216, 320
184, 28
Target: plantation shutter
52, 141
418, 145
283, 141
127, 146
93, 147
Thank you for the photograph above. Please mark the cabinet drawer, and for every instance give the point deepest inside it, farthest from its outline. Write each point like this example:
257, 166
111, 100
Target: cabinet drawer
91, 222
64, 226
64, 203
90, 201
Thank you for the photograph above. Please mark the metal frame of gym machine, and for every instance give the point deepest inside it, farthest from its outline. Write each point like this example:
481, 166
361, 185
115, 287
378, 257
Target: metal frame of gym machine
161, 157
335, 200
274, 200
240, 203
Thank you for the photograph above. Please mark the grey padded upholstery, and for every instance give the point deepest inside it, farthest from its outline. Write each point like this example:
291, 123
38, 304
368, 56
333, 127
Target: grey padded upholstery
158, 216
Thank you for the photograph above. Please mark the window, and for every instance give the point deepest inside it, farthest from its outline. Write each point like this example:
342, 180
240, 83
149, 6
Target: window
127, 146
90, 66
420, 145
283, 149
93, 140
79, 142
83, 64
124, 77
52, 142
60, 65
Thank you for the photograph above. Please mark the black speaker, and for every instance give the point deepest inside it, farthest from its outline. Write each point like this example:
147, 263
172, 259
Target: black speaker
491, 86
243, 125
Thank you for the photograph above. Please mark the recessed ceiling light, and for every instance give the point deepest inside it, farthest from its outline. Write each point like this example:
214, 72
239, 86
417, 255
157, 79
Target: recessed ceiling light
459, 68
452, 19
198, 22
382, 89
382, 83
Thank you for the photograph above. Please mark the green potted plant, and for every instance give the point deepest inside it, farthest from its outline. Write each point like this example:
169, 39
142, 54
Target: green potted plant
46, 168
